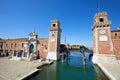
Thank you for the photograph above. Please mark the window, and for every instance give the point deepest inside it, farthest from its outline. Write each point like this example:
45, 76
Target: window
101, 19
53, 25
1, 46
15, 53
45, 47
42, 45
22, 45
15, 45
115, 35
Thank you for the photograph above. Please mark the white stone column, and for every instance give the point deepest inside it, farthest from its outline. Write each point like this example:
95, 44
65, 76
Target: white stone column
17, 54
27, 51
22, 54
12, 54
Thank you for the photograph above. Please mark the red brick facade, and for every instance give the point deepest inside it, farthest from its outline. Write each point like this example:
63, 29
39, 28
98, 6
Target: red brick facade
43, 47
115, 35
11, 45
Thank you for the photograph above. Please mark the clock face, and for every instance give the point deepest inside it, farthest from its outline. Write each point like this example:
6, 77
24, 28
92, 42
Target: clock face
102, 31
53, 34
53, 37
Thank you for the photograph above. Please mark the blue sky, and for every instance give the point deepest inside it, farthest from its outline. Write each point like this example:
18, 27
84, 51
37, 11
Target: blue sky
19, 17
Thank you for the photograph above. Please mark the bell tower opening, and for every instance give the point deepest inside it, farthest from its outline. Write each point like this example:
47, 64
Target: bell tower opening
101, 19
54, 25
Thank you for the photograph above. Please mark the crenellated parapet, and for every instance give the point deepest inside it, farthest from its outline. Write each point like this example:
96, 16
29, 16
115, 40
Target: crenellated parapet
101, 20
55, 26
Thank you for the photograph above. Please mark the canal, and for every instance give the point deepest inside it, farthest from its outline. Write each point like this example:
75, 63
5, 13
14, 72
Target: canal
71, 68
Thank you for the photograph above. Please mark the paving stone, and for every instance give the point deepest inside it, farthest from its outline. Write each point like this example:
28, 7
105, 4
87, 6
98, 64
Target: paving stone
14, 70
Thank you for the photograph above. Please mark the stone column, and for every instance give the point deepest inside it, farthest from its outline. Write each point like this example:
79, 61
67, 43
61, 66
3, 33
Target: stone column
22, 54
12, 54
27, 52
16, 53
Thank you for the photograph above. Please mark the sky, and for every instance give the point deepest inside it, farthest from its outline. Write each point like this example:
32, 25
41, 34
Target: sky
19, 17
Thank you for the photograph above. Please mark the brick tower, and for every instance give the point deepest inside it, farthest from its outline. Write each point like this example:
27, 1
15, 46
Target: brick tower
101, 34
54, 40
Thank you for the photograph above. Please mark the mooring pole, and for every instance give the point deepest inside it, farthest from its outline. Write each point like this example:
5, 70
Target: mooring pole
84, 60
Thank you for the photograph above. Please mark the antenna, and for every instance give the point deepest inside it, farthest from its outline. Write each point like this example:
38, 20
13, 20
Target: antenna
33, 30
98, 7
65, 40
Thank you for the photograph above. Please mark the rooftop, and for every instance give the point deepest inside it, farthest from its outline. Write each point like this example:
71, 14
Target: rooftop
117, 30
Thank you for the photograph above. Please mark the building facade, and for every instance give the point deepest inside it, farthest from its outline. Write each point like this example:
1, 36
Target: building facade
105, 41
33, 47
115, 35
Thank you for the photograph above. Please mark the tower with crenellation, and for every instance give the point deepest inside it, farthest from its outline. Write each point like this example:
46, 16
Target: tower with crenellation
102, 34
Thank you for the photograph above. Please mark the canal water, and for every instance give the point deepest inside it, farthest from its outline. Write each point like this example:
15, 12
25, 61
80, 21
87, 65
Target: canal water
71, 69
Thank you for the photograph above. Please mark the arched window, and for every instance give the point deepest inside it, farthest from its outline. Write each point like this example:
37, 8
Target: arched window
115, 35
15, 45
15, 53
42, 44
53, 25
22, 45
1, 46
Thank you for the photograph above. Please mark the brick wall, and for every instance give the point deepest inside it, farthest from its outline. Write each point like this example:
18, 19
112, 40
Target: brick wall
43, 47
11, 45
115, 35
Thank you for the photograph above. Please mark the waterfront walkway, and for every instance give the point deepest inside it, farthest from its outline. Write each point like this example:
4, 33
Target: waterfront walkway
109, 65
16, 70
112, 70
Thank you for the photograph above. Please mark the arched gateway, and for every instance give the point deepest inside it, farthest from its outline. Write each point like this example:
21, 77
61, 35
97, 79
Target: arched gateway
31, 49
32, 46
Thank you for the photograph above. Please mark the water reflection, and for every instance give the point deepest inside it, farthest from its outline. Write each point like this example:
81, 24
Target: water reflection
71, 68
